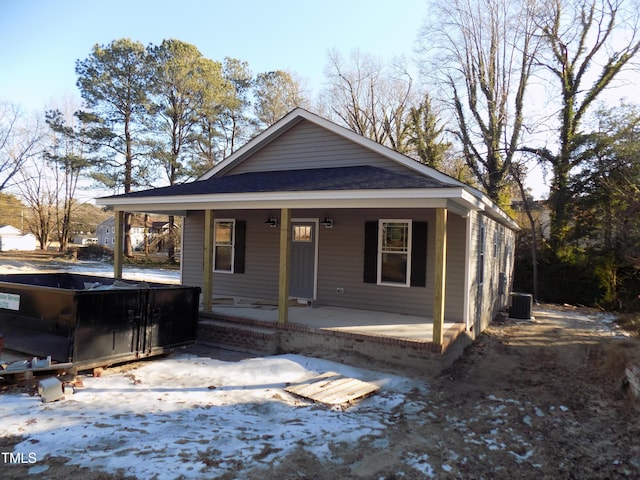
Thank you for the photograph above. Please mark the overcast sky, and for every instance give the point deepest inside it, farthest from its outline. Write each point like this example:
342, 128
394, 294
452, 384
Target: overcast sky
40, 40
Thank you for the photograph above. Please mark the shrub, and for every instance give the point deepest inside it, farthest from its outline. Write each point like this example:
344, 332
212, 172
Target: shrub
98, 253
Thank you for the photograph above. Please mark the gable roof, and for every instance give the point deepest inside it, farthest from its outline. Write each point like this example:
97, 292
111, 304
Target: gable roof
6, 229
298, 115
340, 187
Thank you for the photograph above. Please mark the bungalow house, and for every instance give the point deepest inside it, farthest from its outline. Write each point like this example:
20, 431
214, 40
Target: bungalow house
309, 210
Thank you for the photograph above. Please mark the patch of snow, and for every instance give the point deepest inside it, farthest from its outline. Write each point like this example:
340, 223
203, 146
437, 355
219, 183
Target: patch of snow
521, 458
421, 463
190, 416
99, 269
493, 445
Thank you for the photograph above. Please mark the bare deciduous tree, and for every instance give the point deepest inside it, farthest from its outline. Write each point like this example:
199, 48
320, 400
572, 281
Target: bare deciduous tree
484, 51
368, 99
276, 94
66, 155
18, 142
588, 43
39, 192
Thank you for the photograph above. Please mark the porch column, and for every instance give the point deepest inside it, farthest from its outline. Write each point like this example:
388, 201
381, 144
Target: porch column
285, 265
439, 276
118, 246
207, 282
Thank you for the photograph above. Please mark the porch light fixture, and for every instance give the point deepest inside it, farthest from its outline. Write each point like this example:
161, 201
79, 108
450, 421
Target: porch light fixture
327, 222
271, 221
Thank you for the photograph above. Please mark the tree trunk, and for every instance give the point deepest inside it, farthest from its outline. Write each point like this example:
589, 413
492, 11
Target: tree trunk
127, 250
171, 244
534, 237
560, 201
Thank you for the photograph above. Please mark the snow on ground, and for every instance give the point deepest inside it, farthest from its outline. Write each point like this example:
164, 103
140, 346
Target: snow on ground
193, 416
196, 416
99, 269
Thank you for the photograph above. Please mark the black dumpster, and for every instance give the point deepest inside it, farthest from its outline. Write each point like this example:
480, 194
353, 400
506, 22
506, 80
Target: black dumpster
521, 306
92, 320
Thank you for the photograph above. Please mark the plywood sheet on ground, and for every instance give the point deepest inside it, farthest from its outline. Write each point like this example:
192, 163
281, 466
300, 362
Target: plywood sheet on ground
332, 388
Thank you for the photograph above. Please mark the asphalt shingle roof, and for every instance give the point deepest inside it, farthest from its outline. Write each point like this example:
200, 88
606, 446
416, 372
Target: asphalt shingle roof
339, 178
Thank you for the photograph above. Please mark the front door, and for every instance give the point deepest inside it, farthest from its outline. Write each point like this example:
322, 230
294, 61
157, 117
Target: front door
303, 259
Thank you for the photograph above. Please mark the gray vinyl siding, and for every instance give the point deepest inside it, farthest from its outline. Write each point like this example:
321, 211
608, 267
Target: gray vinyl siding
260, 280
307, 145
485, 296
455, 288
192, 252
340, 262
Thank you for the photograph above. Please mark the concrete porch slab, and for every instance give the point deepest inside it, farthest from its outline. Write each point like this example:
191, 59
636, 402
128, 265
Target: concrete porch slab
365, 322
385, 327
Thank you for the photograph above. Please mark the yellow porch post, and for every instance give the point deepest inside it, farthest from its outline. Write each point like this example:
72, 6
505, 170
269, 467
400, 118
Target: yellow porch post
285, 264
440, 273
207, 283
118, 246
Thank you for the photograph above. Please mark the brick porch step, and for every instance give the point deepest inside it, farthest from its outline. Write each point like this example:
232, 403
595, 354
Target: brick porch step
228, 334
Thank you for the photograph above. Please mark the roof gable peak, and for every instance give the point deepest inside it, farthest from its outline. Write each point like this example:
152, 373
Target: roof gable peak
298, 115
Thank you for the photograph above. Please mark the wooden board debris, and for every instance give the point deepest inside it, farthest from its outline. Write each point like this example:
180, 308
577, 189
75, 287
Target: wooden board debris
22, 370
332, 388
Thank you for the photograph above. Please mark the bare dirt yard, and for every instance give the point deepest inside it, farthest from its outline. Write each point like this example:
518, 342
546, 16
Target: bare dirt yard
537, 399
541, 399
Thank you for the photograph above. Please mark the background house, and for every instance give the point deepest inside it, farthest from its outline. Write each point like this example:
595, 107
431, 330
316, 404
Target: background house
12, 239
106, 233
84, 239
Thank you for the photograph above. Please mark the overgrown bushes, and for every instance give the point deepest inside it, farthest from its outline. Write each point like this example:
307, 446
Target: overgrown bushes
581, 276
98, 253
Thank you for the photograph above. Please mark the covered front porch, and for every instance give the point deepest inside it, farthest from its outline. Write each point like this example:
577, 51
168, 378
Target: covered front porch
269, 260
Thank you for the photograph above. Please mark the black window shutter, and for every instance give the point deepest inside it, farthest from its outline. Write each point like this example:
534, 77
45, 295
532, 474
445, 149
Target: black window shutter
419, 255
370, 274
241, 234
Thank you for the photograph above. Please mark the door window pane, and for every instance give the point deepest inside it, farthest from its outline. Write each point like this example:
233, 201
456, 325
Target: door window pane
302, 233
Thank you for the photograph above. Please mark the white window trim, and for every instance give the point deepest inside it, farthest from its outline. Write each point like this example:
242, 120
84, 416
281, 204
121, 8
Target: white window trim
233, 244
409, 223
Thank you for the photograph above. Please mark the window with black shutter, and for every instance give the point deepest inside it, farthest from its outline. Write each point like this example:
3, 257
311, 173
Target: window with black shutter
395, 252
229, 245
